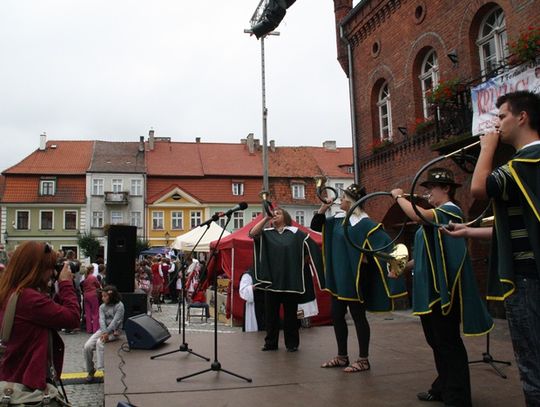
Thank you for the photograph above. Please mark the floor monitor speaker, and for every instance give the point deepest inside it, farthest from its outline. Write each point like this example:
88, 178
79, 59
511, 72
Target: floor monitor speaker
144, 332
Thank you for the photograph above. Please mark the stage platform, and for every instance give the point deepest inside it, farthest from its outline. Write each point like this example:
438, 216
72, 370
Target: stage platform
401, 366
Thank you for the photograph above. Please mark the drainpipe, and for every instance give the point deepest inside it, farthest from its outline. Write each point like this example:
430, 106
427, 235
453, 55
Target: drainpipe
351, 102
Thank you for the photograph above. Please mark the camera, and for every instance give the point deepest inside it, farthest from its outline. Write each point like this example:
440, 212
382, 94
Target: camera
73, 266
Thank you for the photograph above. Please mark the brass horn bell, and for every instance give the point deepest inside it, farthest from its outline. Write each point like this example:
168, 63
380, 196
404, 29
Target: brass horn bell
396, 260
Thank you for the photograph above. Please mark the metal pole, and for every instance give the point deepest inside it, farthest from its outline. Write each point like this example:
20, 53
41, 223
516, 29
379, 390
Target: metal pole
264, 124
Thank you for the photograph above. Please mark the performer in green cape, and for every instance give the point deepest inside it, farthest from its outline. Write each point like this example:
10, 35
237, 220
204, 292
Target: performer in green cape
280, 252
356, 281
445, 292
515, 192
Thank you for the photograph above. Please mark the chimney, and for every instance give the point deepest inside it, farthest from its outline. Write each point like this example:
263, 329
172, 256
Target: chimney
250, 144
43, 141
273, 146
197, 139
329, 145
141, 144
151, 140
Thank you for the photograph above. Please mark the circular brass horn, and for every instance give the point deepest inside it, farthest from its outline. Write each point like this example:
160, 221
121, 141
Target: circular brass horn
321, 187
346, 225
461, 151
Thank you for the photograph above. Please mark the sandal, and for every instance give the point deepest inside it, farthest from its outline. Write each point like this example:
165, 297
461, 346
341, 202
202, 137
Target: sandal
337, 361
361, 365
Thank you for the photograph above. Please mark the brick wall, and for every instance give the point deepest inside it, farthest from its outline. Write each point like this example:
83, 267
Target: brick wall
389, 39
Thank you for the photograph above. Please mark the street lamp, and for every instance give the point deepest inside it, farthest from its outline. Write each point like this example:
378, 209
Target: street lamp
257, 15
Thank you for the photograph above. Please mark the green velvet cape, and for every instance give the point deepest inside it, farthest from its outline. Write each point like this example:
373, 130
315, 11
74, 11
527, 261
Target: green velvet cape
443, 274
354, 276
279, 262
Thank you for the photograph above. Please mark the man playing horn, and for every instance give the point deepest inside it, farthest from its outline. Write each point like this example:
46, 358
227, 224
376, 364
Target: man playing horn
445, 292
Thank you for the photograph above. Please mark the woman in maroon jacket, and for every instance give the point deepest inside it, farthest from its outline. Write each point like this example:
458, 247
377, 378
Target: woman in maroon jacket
29, 273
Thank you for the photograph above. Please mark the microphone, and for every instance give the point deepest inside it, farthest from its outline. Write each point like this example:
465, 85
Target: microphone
240, 207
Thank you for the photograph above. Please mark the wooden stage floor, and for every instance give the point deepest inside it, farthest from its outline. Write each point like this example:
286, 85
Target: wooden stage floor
401, 366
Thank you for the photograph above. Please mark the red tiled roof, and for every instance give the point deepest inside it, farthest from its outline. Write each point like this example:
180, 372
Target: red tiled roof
332, 162
59, 157
25, 189
201, 159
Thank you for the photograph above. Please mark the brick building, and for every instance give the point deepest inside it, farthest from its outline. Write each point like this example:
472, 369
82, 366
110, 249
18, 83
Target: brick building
395, 52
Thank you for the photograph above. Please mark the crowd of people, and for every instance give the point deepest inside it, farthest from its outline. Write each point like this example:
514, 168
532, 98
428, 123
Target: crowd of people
43, 291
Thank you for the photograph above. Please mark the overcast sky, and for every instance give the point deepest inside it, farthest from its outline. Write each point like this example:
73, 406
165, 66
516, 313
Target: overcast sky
113, 69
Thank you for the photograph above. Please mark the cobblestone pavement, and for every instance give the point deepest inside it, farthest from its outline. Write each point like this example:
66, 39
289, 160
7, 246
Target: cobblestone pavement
91, 395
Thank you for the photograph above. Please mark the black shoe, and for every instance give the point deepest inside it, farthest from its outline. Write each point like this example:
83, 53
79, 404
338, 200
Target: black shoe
428, 396
293, 349
267, 348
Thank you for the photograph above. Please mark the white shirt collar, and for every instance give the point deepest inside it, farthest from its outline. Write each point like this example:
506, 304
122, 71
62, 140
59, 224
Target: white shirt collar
353, 219
450, 203
530, 144
293, 229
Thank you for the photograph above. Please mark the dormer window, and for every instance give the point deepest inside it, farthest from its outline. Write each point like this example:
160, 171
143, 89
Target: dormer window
237, 188
47, 187
298, 191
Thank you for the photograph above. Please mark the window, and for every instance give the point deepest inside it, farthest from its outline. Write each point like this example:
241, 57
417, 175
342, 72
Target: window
300, 217
238, 220
238, 188
117, 217
177, 220
117, 185
385, 113
135, 219
195, 218
157, 220
97, 186
429, 78
97, 219
222, 222
298, 191
70, 220
255, 214
23, 220
47, 187
339, 186
136, 187
46, 220
492, 41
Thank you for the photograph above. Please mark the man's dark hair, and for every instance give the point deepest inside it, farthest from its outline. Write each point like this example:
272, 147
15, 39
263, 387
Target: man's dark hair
523, 101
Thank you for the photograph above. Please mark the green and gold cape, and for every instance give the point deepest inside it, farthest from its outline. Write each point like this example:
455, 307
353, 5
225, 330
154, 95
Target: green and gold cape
443, 274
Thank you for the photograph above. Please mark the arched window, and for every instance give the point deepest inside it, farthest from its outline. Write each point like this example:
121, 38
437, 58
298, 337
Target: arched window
385, 113
492, 41
429, 78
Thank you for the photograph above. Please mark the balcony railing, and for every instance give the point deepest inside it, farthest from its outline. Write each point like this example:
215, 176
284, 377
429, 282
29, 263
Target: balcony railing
116, 198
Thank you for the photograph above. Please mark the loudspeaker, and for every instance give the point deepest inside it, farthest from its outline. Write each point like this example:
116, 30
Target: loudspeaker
121, 246
134, 304
144, 332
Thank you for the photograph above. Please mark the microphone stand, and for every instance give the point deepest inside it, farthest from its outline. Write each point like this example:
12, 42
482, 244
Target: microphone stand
216, 365
184, 347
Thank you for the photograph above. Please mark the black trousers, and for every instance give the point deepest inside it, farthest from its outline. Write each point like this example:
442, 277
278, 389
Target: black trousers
290, 322
443, 335
358, 313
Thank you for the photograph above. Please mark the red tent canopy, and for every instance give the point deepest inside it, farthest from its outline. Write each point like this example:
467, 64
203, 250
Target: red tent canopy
235, 256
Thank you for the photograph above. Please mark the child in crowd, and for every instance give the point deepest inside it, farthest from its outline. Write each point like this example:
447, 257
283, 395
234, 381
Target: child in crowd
111, 319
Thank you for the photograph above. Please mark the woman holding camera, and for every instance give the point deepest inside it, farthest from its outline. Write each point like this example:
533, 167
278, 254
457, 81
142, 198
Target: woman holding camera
37, 316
